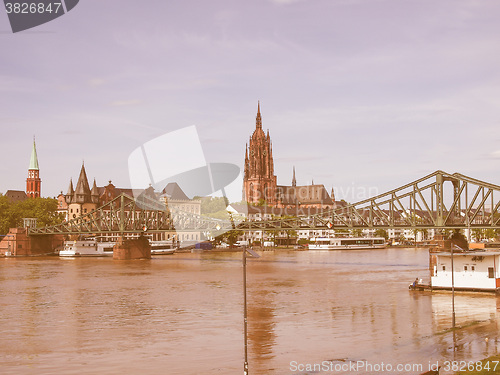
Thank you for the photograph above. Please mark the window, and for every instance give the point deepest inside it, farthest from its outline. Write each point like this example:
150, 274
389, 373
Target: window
465, 268
491, 272
444, 268
473, 268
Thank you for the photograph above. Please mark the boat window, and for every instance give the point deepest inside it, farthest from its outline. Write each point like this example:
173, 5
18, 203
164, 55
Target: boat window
491, 273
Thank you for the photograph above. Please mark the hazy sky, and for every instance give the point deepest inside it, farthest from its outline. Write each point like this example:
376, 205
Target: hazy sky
355, 93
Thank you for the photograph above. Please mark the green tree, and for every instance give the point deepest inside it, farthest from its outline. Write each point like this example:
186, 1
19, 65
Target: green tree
212, 204
43, 209
382, 233
357, 232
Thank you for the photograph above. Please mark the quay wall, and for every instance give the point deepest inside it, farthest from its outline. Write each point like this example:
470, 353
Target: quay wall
18, 243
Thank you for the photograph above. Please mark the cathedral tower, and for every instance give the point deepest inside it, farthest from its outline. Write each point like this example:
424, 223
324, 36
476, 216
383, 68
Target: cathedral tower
259, 182
33, 182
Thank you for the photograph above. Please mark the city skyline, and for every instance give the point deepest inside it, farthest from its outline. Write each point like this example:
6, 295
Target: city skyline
360, 95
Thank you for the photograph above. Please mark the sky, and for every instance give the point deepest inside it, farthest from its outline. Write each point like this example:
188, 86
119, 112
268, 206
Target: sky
359, 95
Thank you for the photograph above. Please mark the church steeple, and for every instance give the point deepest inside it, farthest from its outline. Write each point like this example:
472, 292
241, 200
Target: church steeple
71, 191
294, 181
34, 158
259, 179
82, 191
33, 182
95, 193
258, 119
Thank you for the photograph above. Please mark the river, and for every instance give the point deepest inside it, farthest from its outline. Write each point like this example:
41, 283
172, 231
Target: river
183, 314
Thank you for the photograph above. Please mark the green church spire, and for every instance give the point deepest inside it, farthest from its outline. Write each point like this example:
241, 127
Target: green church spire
34, 158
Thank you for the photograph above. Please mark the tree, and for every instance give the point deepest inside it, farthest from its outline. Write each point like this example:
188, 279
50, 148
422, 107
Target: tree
43, 209
357, 232
212, 204
382, 233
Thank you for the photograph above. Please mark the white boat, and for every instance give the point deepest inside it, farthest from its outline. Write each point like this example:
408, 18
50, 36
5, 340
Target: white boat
472, 270
162, 247
86, 248
347, 243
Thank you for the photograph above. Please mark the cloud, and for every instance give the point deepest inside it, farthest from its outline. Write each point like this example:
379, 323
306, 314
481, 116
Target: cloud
95, 82
495, 154
285, 2
125, 103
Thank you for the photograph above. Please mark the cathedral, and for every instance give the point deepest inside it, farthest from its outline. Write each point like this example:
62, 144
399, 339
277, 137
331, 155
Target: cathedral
260, 184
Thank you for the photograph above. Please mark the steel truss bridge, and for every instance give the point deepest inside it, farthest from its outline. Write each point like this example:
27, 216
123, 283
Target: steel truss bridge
437, 201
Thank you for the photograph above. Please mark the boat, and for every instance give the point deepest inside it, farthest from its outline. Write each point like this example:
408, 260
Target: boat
86, 248
347, 243
162, 247
475, 270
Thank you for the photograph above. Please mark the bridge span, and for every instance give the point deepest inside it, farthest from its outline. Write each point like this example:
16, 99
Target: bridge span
439, 200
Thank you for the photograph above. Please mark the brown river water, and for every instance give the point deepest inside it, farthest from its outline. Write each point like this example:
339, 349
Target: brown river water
309, 312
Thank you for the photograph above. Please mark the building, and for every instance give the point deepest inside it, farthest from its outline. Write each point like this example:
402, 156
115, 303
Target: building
16, 195
176, 199
260, 183
241, 212
81, 200
33, 182
259, 180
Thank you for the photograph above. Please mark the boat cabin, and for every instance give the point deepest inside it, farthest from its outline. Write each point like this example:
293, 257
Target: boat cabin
472, 270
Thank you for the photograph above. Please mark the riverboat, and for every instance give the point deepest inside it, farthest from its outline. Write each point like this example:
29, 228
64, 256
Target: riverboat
347, 243
472, 271
162, 248
86, 248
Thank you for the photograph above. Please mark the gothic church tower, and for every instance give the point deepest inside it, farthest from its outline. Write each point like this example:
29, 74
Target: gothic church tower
259, 182
33, 182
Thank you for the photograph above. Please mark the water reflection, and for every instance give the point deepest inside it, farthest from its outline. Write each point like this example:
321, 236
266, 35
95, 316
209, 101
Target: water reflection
182, 314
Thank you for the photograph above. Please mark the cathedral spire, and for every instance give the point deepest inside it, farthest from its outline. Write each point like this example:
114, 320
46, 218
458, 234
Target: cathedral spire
258, 120
294, 181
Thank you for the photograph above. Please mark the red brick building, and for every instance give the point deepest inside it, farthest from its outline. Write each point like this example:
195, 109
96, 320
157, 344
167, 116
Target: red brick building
259, 179
260, 184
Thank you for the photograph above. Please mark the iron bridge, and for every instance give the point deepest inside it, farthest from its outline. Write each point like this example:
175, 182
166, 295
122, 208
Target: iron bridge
439, 200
